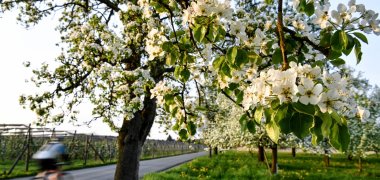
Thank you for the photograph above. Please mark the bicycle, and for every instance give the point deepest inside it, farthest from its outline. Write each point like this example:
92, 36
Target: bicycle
54, 174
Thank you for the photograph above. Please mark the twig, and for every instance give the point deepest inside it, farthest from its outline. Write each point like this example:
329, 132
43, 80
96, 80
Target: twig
280, 26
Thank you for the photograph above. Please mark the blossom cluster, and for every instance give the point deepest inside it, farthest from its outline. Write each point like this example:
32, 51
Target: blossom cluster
299, 83
129, 96
222, 13
353, 16
159, 91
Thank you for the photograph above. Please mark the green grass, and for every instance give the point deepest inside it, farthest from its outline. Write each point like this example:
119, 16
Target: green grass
242, 165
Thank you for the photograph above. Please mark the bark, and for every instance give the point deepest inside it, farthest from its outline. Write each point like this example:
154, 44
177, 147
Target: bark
293, 152
360, 164
210, 152
350, 157
132, 136
215, 150
261, 153
326, 159
274, 159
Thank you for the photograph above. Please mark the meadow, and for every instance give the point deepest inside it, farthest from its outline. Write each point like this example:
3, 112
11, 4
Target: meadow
243, 165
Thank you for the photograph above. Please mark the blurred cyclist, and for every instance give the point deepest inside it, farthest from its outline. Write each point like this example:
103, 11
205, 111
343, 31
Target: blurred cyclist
48, 157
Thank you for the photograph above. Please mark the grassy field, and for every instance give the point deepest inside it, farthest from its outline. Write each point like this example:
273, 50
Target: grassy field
243, 165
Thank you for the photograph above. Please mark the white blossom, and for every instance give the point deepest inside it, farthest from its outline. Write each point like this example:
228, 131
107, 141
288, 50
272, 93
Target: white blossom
309, 91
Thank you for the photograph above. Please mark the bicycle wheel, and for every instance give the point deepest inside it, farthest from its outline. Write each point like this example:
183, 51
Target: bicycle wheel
66, 176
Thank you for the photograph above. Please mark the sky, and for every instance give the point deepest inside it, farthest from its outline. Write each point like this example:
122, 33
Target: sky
37, 45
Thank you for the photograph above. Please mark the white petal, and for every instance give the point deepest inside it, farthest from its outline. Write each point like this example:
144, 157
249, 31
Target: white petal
317, 89
335, 14
314, 100
304, 100
308, 83
322, 107
342, 8
301, 90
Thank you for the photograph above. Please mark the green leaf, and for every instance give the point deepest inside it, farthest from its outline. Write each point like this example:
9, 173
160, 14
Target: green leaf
169, 98
350, 45
243, 122
340, 137
177, 71
343, 39
325, 40
175, 127
273, 131
185, 74
268, 114
233, 86
254, 58
201, 108
251, 126
212, 33
239, 96
300, 124
241, 58
305, 109
337, 62
336, 117
316, 131
358, 51
191, 128
309, 8
218, 62
226, 70
275, 104
178, 33
337, 41
277, 57
200, 32
221, 33
258, 114
171, 59
174, 111
269, 1
202, 20
183, 134
286, 123
361, 36
326, 124
334, 54
167, 46
231, 54
279, 113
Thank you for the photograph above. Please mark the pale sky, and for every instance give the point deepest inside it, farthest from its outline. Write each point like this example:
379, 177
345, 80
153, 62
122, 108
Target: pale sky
37, 45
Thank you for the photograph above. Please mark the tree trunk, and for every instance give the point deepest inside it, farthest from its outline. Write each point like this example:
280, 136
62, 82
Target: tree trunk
261, 153
350, 157
326, 159
215, 150
293, 152
210, 151
274, 159
360, 164
132, 136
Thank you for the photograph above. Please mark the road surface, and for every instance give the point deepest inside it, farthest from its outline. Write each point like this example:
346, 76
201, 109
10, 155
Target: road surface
147, 166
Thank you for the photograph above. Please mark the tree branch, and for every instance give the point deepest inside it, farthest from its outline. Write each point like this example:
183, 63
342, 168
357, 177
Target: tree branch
280, 27
323, 50
110, 4
229, 97
166, 6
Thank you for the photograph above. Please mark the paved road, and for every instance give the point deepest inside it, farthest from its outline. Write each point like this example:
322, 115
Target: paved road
154, 165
